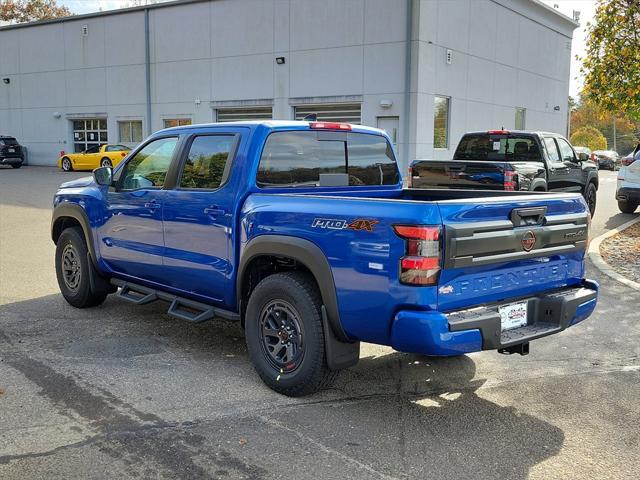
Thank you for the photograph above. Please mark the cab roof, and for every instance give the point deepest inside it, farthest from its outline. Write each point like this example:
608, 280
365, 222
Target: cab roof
272, 125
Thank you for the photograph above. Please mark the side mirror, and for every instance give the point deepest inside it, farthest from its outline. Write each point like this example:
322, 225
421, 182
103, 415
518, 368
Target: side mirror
103, 176
583, 157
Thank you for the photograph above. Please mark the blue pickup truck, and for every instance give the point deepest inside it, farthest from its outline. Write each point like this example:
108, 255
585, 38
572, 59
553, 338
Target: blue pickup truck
303, 233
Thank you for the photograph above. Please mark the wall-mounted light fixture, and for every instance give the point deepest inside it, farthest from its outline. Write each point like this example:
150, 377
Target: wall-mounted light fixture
385, 103
6, 81
280, 60
556, 108
57, 115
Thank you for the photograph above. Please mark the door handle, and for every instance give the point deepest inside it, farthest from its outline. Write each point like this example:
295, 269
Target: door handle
152, 205
213, 211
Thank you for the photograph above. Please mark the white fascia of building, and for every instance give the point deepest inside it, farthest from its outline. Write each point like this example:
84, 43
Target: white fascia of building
116, 76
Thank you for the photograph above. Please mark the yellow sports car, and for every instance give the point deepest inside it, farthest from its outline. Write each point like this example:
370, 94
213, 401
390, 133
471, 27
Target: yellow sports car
94, 157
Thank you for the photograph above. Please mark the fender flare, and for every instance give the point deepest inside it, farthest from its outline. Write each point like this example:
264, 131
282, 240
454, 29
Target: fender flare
308, 254
538, 182
75, 211
592, 177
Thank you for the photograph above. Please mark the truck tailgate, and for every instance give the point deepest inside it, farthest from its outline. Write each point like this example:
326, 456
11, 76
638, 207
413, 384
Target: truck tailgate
508, 248
486, 175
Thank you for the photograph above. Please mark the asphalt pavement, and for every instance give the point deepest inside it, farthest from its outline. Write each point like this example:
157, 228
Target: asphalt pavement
122, 391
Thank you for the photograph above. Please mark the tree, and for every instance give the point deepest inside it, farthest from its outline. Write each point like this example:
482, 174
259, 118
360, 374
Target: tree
612, 63
588, 113
589, 137
19, 11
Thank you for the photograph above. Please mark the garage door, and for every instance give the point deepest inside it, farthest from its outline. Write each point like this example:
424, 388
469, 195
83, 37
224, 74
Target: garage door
243, 114
337, 112
88, 133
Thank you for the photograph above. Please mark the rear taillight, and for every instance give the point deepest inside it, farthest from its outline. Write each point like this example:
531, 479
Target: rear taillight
421, 263
123, 154
626, 161
509, 180
409, 176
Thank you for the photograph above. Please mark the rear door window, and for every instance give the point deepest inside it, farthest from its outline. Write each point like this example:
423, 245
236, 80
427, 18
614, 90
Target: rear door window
207, 164
298, 158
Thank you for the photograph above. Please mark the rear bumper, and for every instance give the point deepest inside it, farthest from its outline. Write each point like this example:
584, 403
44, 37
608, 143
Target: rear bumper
628, 194
11, 160
465, 331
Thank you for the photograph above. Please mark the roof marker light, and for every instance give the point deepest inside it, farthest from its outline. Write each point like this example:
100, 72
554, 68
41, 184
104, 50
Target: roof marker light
330, 126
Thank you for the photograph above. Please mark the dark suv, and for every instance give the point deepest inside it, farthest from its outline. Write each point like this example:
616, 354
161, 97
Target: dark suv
10, 152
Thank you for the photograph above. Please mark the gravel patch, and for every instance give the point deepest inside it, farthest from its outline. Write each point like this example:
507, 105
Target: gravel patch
622, 252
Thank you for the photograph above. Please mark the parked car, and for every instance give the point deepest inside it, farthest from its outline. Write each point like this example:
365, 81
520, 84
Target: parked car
11, 152
511, 160
94, 157
628, 186
607, 159
302, 232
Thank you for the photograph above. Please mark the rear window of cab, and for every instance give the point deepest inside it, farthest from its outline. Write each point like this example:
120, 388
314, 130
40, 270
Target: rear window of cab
299, 158
498, 148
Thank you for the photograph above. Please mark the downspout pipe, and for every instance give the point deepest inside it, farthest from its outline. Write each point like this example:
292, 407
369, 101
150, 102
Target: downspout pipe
407, 84
147, 69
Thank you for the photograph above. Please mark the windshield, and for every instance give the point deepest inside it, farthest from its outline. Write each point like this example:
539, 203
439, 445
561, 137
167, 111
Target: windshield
299, 158
498, 148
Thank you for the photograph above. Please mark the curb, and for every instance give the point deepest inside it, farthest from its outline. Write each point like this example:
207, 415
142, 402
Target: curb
604, 267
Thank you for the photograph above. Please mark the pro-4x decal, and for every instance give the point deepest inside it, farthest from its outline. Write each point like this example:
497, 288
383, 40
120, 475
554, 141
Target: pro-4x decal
336, 224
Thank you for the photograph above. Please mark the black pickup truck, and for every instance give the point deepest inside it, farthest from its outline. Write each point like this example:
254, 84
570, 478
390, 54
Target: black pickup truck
511, 160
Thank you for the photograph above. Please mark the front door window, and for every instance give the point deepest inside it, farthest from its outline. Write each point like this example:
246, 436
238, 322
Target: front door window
149, 167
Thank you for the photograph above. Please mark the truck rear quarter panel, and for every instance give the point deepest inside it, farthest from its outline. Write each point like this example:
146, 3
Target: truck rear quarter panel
357, 238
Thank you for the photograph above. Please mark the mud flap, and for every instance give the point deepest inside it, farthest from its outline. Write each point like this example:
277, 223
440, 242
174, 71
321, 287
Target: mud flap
340, 355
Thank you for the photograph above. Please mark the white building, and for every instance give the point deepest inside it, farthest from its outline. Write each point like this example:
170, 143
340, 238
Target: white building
425, 70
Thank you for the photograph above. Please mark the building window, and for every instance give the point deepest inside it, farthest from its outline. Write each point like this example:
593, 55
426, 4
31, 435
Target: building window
337, 112
441, 122
244, 114
89, 133
176, 122
130, 131
521, 114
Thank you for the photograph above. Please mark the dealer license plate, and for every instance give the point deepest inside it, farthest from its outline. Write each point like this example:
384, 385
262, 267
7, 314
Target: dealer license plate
513, 316
11, 150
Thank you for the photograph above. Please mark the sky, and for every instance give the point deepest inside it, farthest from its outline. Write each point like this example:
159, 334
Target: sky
585, 7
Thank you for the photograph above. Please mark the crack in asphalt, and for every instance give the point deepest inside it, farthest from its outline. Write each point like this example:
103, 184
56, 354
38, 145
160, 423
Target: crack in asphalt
346, 458
119, 433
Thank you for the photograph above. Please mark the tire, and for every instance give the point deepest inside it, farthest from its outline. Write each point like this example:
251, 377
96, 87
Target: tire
105, 162
16, 165
591, 196
77, 279
292, 300
627, 207
66, 164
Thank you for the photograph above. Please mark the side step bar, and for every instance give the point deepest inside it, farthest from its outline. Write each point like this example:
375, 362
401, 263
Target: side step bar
182, 308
